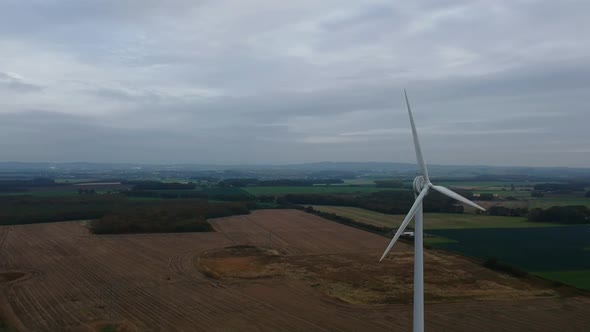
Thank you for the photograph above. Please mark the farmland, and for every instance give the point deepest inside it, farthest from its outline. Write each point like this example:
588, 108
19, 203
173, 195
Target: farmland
546, 202
578, 278
267, 271
557, 253
332, 189
431, 220
527, 245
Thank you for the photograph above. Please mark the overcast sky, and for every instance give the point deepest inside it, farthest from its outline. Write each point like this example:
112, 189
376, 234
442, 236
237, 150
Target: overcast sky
253, 82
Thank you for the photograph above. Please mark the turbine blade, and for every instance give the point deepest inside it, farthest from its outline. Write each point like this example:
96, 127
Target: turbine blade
419, 157
406, 221
454, 195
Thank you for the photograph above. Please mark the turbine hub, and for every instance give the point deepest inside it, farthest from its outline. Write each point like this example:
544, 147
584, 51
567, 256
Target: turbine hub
419, 184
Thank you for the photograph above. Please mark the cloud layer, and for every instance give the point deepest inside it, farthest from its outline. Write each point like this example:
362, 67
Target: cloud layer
260, 81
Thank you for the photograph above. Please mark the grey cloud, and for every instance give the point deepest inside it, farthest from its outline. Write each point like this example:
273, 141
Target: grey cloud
125, 95
503, 82
12, 83
367, 14
42, 135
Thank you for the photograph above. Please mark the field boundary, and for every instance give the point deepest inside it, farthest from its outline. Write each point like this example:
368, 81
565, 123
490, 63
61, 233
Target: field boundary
384, 231
563, 288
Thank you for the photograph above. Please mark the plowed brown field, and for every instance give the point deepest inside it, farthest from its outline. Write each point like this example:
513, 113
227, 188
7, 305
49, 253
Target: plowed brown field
57, 277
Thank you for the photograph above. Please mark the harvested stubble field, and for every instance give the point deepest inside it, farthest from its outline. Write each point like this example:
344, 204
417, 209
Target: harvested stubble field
273, 270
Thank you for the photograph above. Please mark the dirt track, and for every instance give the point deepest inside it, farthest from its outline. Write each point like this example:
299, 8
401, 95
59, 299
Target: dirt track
73, 281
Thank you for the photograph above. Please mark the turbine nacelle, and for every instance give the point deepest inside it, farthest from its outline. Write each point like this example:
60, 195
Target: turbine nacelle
419, 184
421, 189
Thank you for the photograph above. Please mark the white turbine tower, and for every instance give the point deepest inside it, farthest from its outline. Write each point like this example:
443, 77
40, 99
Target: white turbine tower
422, 186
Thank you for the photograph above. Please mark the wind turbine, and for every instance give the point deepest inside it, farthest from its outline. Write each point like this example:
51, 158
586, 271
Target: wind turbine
422, 186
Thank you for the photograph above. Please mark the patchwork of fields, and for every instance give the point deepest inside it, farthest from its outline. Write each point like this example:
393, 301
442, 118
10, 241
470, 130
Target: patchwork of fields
333, 189
547, 202
58, 277
551, 251
431, 220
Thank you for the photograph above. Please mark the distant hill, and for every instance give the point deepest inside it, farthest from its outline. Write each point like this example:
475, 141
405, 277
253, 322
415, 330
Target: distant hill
358, 168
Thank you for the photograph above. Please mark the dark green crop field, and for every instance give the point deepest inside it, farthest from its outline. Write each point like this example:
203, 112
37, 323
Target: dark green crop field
557, 253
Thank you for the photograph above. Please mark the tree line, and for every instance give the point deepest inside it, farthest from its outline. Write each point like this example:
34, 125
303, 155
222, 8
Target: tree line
399, 202
223, 194
573, 214
23, 185
392, 202
560, 187
32, 209
253, 182
508, 212
157, 185
389, 184
166, 216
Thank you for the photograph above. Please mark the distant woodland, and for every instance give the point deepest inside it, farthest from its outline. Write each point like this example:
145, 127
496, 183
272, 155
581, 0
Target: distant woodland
166, 216
158, 206
392, 202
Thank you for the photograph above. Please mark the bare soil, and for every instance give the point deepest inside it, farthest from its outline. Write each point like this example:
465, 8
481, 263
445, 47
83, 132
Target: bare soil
357, 278
10, 276
284, 270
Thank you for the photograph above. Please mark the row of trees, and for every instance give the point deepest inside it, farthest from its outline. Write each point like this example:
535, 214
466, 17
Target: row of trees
574, 214
224, 194
32, 209
23, 185
166, 216
157, 185
399, 202
487, 197
244, 182
392, 202
509, 212
553, 187
389, 184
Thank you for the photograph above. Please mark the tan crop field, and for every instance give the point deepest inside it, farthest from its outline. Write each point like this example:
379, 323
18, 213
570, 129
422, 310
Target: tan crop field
272, 270
431, 220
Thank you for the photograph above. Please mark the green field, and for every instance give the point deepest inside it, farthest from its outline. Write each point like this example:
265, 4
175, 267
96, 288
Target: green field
499, 188
547, 202
556, 253
488, 184
433, 241
579, 278
431, 220
311, 190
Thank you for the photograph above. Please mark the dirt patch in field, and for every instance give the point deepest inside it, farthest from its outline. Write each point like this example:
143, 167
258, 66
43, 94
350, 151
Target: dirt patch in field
10, 276
358, 278
241, 261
